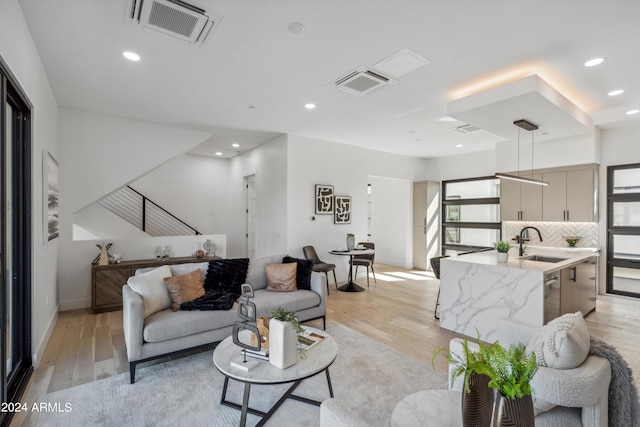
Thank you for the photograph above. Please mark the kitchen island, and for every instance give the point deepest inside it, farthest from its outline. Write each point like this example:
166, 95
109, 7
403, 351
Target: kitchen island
476, 290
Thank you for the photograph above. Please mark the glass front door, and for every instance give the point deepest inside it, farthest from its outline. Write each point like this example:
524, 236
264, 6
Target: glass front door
623, 230
15, 241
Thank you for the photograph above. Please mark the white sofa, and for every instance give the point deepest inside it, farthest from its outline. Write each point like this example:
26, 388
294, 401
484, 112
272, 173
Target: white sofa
167, 332
580, 393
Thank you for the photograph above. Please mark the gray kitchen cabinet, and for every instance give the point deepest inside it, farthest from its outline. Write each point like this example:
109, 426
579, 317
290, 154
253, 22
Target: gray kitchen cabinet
578, 287
520, 201
570, 196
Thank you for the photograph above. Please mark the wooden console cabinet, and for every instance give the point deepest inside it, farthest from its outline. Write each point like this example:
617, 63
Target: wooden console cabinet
107, 280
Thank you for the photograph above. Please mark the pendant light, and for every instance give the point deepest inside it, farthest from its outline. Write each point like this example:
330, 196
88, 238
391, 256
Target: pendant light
528, 126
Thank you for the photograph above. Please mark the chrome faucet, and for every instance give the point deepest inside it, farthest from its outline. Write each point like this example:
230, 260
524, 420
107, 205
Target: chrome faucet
521, 250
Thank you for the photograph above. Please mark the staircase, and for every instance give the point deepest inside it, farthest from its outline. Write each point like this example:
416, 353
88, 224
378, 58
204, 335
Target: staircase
144, 214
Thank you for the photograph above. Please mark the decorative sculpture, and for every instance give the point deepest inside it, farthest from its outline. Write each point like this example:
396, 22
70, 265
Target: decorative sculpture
246, 312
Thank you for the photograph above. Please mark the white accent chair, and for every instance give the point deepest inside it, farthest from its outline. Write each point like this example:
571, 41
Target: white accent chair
581, 393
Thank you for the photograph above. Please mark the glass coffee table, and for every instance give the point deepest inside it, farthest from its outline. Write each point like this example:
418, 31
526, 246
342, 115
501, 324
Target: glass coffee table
318, 359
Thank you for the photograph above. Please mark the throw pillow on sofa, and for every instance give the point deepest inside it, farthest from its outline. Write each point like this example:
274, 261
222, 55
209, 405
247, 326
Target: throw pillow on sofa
281, 277
226, 274
184, 288
303, 272
150, 286
563, 343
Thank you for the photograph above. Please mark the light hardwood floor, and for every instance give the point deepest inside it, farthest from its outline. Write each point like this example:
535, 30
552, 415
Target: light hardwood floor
397, 310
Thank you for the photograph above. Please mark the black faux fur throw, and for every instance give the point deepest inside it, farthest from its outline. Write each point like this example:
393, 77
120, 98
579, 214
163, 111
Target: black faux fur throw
222, 285
212, 300
226, 274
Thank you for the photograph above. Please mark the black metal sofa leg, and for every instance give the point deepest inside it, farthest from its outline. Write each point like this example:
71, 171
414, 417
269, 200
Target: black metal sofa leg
132, 372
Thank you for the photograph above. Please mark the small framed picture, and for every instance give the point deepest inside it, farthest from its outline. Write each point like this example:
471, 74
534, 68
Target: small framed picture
324, 199
342, 210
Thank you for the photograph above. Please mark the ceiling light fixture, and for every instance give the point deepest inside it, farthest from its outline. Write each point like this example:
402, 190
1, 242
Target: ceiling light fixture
632, 112
593, 62
459, 145
616, 92
528, 126
218, 153
235, 145
310, 106
296, 27
131, 56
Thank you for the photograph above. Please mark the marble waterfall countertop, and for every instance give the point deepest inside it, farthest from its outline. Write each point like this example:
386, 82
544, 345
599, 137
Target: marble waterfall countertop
572, 256
476, 290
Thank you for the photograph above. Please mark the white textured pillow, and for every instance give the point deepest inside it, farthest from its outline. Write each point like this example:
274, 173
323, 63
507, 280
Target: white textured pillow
150, 286
563, 343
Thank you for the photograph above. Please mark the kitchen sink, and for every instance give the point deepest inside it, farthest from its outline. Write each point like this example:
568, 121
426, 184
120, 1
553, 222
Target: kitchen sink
542, 258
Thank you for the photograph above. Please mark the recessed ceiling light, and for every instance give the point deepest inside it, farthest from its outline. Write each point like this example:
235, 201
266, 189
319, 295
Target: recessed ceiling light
235, 145
296, 27
593, 62
446, 119
459, 145
310, 106
632, 112
616, 92
131, 56
218, 153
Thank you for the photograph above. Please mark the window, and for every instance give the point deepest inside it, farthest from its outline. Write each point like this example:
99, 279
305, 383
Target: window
471, 219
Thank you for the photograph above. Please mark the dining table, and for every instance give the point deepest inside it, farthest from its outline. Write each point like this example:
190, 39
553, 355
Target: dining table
351, 285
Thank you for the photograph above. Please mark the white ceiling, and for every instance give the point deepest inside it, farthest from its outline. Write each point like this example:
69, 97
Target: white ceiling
253, 60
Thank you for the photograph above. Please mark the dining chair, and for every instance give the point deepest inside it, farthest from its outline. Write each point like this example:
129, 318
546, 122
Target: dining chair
435, 266
365, 260
320, 266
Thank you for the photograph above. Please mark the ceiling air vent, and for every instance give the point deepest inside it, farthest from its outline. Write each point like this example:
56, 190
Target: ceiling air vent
363, 81
174, 18
467, 129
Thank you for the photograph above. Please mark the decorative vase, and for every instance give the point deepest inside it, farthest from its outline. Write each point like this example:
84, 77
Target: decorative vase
283, 344
516, 412
503, 256
351, 242
477, 404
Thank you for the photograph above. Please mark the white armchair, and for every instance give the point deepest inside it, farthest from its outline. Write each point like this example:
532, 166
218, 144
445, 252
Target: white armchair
581, 393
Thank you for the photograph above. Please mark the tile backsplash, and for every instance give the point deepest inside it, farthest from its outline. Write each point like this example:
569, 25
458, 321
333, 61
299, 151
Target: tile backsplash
553, 232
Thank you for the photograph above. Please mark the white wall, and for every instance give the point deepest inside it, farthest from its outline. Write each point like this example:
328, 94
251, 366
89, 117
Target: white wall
347, 168
103, 153
18, 51
193, 188
478, 163
269, 164
97, 223
76, 276
574, 150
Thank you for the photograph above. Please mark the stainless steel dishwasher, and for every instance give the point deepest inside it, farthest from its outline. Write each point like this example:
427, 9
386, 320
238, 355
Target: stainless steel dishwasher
551, 296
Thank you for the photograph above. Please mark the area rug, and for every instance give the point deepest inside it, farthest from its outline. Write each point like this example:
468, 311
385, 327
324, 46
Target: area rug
368, 377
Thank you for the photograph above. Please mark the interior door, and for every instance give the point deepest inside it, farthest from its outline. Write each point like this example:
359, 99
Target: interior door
420, 225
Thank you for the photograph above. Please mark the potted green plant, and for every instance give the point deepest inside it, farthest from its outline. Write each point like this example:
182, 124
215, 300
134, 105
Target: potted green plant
284, 328
503, 250
511, 371
477, 396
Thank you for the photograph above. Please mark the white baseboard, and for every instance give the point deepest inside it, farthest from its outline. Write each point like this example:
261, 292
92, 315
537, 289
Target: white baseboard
75, 304
42, 345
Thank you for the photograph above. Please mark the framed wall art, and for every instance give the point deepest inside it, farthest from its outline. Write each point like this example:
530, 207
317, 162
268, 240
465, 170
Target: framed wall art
342, 210
324, 199
50, 195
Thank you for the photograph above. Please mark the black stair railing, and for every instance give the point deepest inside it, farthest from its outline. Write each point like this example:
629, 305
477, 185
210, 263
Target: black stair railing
137, 209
